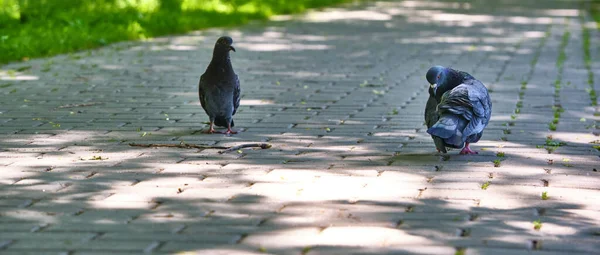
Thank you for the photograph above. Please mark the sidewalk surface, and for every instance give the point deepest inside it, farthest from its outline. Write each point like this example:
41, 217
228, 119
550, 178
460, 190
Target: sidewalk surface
339, 94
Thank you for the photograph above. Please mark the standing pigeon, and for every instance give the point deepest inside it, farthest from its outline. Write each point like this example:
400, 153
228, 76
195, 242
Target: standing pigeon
458, 109
219, 88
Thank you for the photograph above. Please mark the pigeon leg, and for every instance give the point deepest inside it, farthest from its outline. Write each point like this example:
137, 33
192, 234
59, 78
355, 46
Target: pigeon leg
467, 150
211, 129
229, 131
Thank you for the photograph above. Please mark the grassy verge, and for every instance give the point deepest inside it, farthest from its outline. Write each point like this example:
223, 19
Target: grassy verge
36, 28
595, 11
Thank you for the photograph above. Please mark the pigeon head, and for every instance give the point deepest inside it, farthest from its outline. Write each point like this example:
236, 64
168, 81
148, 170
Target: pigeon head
223, 45
442, 79
435, 76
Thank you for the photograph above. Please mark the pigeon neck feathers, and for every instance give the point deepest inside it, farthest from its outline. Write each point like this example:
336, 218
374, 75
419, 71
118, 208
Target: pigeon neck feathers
452, 79
220, 63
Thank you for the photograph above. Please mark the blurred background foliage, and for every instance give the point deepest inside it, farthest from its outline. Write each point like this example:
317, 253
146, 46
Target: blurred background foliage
595, 10
35, 28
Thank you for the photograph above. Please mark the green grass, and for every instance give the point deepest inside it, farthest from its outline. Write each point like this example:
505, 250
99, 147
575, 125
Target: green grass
595, 11
545, 195
37, 28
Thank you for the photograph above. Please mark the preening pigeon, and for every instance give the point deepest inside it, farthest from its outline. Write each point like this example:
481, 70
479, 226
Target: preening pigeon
458, 109
219, 88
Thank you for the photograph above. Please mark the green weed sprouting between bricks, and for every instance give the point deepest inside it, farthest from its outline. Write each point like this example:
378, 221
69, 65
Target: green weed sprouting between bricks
545, 195
68, 26
485, 185
497, 162
562, 55
537, 224
551, 145
587, 58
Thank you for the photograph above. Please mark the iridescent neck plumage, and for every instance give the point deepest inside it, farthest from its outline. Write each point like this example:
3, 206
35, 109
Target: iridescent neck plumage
220, 60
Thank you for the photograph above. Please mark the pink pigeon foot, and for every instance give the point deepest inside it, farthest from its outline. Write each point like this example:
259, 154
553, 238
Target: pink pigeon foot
466, 150
229, 131
211, 130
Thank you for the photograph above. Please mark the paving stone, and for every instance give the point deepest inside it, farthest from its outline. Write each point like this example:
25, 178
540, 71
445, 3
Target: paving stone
339, 93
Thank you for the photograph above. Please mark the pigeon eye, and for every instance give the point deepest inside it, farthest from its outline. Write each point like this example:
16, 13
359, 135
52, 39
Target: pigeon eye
438, 76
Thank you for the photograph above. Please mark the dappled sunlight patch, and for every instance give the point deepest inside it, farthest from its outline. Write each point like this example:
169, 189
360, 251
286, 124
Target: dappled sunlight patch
171, 182
336, 187
182, 47
30, 216
13, 174
111, 67
254, 102
310, 38
479, 48
12, 75
437, 39
434, 5
526, 20
466, 19
368, 236
574, 137
535, 34
292, 237
281, 46
122, 204
64, 139
336, 236
220, 250
141, 5
561, 12
336, 15
191, 39
545, 228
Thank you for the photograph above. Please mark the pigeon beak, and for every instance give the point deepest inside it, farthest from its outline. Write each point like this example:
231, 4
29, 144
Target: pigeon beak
433, 87
232, 48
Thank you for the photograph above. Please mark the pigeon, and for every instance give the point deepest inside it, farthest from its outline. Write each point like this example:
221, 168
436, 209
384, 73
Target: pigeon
458, 110
219, 88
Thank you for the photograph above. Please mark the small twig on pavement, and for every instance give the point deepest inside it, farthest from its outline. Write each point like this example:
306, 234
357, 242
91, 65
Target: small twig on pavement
195, 146
235, 148
77, 105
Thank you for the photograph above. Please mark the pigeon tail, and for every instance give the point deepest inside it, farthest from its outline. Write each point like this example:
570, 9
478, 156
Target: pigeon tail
448, 128
439, 144
222, 122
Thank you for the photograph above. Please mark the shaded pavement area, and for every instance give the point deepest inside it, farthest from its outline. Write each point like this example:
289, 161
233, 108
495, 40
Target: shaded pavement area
339, 94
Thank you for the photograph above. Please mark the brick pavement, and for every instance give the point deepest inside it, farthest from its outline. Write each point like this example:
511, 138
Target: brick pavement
339, 93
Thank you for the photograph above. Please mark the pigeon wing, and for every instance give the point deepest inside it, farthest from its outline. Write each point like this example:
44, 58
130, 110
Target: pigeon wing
471, 101
431, 117
431, 114
201, 92
236, 95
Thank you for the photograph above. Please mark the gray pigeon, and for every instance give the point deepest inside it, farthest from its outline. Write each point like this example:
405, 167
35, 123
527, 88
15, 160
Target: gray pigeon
219, 88
458, 110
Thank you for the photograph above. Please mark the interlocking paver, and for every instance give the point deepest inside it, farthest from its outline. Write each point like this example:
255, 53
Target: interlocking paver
340, 95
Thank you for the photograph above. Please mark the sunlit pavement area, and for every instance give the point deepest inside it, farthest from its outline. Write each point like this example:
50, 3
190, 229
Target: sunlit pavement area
339, 93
